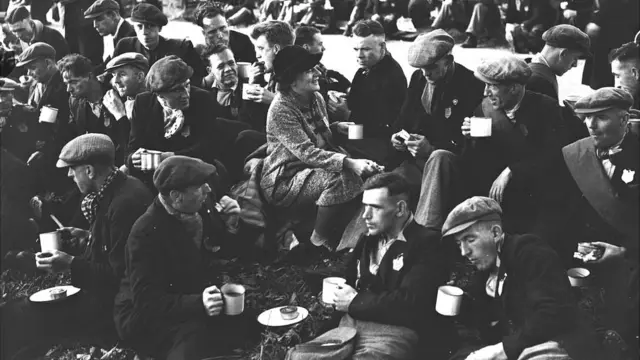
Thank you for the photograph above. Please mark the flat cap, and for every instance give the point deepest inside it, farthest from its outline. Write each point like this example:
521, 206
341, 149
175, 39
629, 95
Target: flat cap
147, 13
469, 212
17, 14
36, 51
100, 7
180, 172
428, 48
507, 68
87, 149
166, 73
136, 60
567, 37
604, 99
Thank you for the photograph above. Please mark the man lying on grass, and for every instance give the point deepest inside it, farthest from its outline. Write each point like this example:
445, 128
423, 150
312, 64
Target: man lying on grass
112, 202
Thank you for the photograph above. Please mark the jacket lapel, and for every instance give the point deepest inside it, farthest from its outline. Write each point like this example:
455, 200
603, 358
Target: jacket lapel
588, 173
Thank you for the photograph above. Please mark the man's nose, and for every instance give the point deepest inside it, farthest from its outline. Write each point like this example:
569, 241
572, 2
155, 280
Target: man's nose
69, 88
366, 214
207, 188
95, 23
69, 173
465, 250
487, 91
617, 83
588, 121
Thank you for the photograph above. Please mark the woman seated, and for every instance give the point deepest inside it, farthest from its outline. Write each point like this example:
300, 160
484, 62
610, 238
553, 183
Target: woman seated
303, 163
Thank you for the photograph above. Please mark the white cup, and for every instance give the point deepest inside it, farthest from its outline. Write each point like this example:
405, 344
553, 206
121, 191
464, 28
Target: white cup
243, 69
356, 131
329, 287
246, 88
480, 127
578, 276
233, 296
48, 115
449, 300
50, 241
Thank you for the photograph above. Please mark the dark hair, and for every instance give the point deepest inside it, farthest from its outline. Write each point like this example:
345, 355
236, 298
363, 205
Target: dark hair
276, 32
207, 9
305, 34
364, 28
394, 182
18, 14
628, 51
75, 64
213, 50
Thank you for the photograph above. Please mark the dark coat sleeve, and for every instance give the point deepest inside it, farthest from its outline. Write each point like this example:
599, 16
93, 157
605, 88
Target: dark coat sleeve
415, 296
548, 297
541, 86
120, 217
192, 58
57, 41
145, 269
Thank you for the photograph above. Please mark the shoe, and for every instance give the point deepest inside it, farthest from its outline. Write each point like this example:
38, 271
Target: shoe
471, 42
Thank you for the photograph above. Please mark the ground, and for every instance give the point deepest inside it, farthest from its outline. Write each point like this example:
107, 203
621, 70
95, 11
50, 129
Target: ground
273, 285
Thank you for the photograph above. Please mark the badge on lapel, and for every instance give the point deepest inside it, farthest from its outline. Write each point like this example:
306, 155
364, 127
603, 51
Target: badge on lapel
455, 102
398, 262
628, 175
447, 113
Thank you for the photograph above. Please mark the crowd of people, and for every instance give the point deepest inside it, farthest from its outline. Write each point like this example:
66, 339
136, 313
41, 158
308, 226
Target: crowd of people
158, 156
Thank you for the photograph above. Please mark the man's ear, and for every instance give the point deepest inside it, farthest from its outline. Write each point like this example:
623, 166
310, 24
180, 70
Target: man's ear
91, 172
306, 47
403, 207
496, 231
175, 195
636, 73
276, 48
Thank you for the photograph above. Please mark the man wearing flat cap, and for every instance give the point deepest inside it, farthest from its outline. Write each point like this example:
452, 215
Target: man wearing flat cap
31, 31
147, 21
564, 45
521, 299
527, 133
112, 202
172, 117
170, 304
128, 72
441, 94
89, 105
594, 198
107, 21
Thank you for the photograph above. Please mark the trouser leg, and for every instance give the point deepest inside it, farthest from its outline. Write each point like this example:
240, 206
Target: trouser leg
477, 24
439, 188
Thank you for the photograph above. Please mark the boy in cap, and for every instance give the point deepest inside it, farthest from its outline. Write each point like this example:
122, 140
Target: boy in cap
112, 202
31, 31
90, 110
441, 94
521, 298
524, 145
625, 67
107, 21
594, 198
147, 21
168, 306
564, 45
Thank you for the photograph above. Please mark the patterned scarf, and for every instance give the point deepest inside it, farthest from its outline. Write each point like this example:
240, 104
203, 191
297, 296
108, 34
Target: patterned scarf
173, 119
91, 202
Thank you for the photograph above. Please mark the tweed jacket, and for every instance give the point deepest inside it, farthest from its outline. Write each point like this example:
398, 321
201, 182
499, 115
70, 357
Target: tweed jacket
403, 293
455, 100
536, 304
102, 266
180, 48
292, 147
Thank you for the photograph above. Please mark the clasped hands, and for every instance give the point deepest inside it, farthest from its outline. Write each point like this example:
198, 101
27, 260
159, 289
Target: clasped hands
417, 145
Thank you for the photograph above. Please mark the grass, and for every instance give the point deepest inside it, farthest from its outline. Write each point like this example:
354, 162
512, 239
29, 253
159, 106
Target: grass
270, 286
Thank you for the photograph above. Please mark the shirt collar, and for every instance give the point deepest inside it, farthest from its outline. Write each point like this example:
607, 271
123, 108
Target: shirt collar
511, 114
400, 236
540, 59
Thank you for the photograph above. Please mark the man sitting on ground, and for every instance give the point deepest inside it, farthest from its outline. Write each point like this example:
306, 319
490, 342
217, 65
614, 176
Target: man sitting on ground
110, 25
167, 306
112, 203
226, 87
441, 94
310, 38
377, 92
216, 31
625, 66
521, 302
392, 279
485, 20
147, 21
594, 199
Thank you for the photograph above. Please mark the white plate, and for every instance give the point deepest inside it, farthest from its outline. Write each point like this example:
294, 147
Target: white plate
44, 296
272, 317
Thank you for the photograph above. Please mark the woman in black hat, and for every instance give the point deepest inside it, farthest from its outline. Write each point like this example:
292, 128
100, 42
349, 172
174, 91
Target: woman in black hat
303, 164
